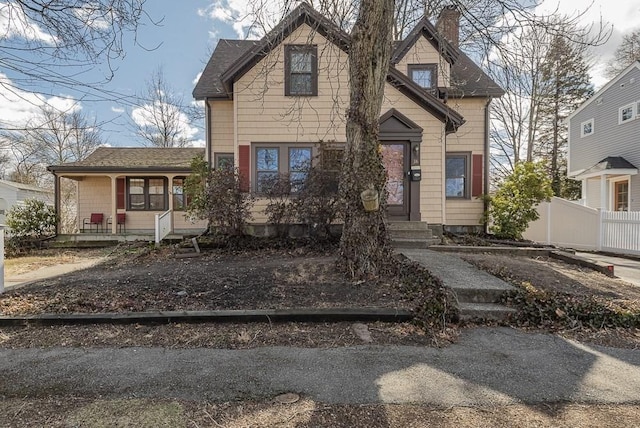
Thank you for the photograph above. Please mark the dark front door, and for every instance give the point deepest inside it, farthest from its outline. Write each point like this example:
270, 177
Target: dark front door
395, 156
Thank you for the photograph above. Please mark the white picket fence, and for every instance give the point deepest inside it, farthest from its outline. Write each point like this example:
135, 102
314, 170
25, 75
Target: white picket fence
570, 225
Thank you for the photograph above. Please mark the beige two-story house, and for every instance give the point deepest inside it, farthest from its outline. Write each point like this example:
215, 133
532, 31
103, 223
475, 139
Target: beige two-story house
270, 102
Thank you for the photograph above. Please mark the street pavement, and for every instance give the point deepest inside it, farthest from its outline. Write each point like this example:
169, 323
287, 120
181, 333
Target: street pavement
488, 366
626, 269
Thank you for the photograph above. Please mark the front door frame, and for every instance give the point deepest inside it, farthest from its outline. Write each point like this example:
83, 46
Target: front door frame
396, 128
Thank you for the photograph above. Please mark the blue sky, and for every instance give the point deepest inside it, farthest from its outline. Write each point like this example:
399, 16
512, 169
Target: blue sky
187, 34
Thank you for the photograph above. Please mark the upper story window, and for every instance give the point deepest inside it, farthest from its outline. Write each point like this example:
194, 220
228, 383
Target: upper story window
301, 70
424, 75
627, 113
586, 128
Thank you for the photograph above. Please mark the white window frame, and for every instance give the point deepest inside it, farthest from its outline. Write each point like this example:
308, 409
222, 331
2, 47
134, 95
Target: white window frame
612, 193
586, 122
634, 112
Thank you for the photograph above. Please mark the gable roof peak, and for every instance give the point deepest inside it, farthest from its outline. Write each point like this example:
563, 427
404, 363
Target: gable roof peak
425, 28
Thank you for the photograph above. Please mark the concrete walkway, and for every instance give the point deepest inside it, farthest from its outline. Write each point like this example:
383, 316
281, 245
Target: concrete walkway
15, 281
626, 269
488, 366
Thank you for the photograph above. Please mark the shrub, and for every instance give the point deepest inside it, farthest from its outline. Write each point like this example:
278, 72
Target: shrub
317, 203
280, 208
30, 223
218, 196
514, 204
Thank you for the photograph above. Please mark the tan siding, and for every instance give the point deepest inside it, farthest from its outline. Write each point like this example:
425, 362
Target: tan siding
94, 196
469, 138
221, 126
264, 114
423, 52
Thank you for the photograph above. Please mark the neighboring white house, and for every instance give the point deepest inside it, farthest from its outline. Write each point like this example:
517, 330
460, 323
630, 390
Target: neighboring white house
604, 144
12, 193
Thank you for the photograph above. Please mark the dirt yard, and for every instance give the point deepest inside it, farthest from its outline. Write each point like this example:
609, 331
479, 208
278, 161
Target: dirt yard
141, 279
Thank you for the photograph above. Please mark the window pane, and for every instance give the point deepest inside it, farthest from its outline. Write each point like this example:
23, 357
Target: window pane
267, 159
422, 77
156, 202
156, 186
456, 169
265, 180
300, 84
136, 202
178, 194
627, 113
299, 159
224, 161
301, 62
136, 186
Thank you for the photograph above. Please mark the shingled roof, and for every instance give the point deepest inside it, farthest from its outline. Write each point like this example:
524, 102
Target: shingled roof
133, 159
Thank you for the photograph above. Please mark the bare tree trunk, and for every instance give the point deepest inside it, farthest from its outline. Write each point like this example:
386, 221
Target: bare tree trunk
365, 240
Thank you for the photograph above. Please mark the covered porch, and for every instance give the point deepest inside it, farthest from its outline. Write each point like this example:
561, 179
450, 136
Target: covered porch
608, 184
120, 191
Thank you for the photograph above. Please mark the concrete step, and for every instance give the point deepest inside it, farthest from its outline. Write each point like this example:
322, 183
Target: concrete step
409, 233
407, 225
470, 294
414, 243
485, 311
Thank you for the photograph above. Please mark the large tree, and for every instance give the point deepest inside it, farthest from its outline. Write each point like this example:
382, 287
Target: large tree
566, 84
365, 242
627, 52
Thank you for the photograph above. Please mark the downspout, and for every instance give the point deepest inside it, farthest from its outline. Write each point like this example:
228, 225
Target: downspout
208, 131
56, 201
487, 154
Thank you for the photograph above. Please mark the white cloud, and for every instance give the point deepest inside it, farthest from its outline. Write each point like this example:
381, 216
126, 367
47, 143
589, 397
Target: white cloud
246, 18
144, 116
198, 143
14, 23
117, 109
17, 107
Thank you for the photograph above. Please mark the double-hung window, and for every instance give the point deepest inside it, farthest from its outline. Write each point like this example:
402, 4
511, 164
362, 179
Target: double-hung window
424, 75
275, 161
627, 113
586, 128
147, 193
301, 70
457, 172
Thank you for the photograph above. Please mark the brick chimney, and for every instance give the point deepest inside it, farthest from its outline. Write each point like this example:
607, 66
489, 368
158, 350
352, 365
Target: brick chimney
448, 24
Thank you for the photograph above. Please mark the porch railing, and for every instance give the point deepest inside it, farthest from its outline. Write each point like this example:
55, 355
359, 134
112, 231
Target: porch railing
163, 225
568, 224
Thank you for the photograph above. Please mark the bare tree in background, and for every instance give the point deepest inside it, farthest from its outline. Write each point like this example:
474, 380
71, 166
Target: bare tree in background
58, 41
161, 118
53, 137
626, 54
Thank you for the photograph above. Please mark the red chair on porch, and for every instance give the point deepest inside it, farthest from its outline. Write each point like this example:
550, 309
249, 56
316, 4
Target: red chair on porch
120, 219
95, 219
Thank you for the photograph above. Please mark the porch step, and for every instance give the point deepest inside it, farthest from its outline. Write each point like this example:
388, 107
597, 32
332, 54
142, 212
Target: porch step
484, 311
411, 234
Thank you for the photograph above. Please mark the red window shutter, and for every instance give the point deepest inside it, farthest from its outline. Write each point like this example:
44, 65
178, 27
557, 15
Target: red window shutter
244, 165
476, 175
120, 193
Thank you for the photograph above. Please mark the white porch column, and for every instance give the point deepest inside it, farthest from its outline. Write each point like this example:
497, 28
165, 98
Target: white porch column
603, 193
114, 204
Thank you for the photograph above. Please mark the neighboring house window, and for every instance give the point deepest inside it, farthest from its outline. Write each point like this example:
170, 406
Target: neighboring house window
457, 174
180, 199
586, 128
621, 195
270, 162
626, 113
223, 160
424, 75
301, 70
147, 193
